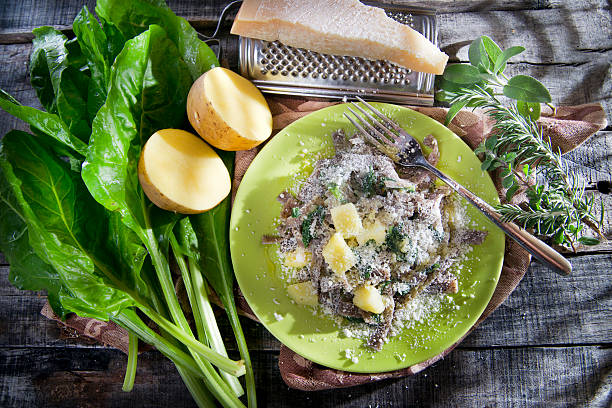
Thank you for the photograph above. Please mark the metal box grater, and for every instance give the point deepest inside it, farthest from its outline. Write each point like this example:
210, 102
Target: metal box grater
280, 69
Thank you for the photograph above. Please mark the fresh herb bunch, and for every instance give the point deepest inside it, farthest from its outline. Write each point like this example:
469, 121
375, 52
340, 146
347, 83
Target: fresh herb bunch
558, 206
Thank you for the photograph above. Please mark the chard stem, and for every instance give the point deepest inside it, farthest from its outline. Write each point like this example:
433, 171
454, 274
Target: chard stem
130, 372
232, 313
235, 368
206, 324
211, 329
200, 394
129, 320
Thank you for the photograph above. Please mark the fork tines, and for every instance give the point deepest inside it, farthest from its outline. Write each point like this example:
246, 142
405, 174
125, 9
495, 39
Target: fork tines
387, 142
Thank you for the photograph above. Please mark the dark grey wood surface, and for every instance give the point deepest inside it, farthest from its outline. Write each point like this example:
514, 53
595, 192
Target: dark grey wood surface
547, 345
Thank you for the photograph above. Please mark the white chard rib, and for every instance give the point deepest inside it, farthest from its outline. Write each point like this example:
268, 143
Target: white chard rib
340, 27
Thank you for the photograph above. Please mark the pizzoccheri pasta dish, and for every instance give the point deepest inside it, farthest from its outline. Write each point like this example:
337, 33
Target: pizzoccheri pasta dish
364, 244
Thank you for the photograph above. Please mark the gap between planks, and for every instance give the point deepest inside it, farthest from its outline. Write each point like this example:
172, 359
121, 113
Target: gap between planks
465, 378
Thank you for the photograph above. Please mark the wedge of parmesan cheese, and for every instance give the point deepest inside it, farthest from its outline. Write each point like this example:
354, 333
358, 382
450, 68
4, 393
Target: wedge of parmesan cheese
340, 27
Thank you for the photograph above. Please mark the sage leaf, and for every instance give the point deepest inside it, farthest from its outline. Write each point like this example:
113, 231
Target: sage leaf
588, 241
492, 50
478, 55
134, 17
462, 74
500, 61
527, 89
529, 110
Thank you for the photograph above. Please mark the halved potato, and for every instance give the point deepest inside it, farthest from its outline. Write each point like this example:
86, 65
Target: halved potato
228, 111
368, 298
179, 172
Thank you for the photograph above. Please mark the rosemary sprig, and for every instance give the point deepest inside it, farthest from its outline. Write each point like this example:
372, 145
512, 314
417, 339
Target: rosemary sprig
558, 206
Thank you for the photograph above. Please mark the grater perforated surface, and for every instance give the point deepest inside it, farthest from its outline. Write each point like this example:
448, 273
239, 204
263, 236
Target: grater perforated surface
277, 68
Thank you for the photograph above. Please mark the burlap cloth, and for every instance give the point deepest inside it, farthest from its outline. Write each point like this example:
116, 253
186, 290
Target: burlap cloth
567, 128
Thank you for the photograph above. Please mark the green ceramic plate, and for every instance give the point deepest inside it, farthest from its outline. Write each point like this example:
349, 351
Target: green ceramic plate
288, 158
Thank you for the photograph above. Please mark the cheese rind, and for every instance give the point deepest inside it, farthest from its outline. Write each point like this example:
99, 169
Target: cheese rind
341, 27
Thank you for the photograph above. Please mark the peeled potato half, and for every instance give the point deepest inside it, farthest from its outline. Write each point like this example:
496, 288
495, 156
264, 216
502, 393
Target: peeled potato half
179, 172
228, 111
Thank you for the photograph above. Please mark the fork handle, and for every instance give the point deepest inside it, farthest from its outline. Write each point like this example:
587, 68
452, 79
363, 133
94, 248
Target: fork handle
533, 245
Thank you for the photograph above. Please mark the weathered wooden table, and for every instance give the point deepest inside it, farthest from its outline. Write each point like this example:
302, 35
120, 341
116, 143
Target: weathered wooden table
549, 344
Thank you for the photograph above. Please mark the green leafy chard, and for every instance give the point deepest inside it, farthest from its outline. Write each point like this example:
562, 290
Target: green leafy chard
64, 234
134, 17
100, 57
27, 270
59, 83
558, 207
212, 229
315, 215
105, 261
148, 92
48, 123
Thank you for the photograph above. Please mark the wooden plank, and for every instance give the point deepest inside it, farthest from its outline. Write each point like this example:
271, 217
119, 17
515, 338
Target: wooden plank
462, 17
549, 36
548, 309
578, 311
87, 378
493, 377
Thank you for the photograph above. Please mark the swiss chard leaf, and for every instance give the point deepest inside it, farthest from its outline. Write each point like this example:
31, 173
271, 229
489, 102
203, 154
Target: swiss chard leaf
47, 123
130, 255
27, 270
134, 17
60, 85
148, 92
115, 39
67, 228
94, 45
212, 230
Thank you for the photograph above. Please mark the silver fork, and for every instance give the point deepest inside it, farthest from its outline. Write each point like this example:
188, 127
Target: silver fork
404, 150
